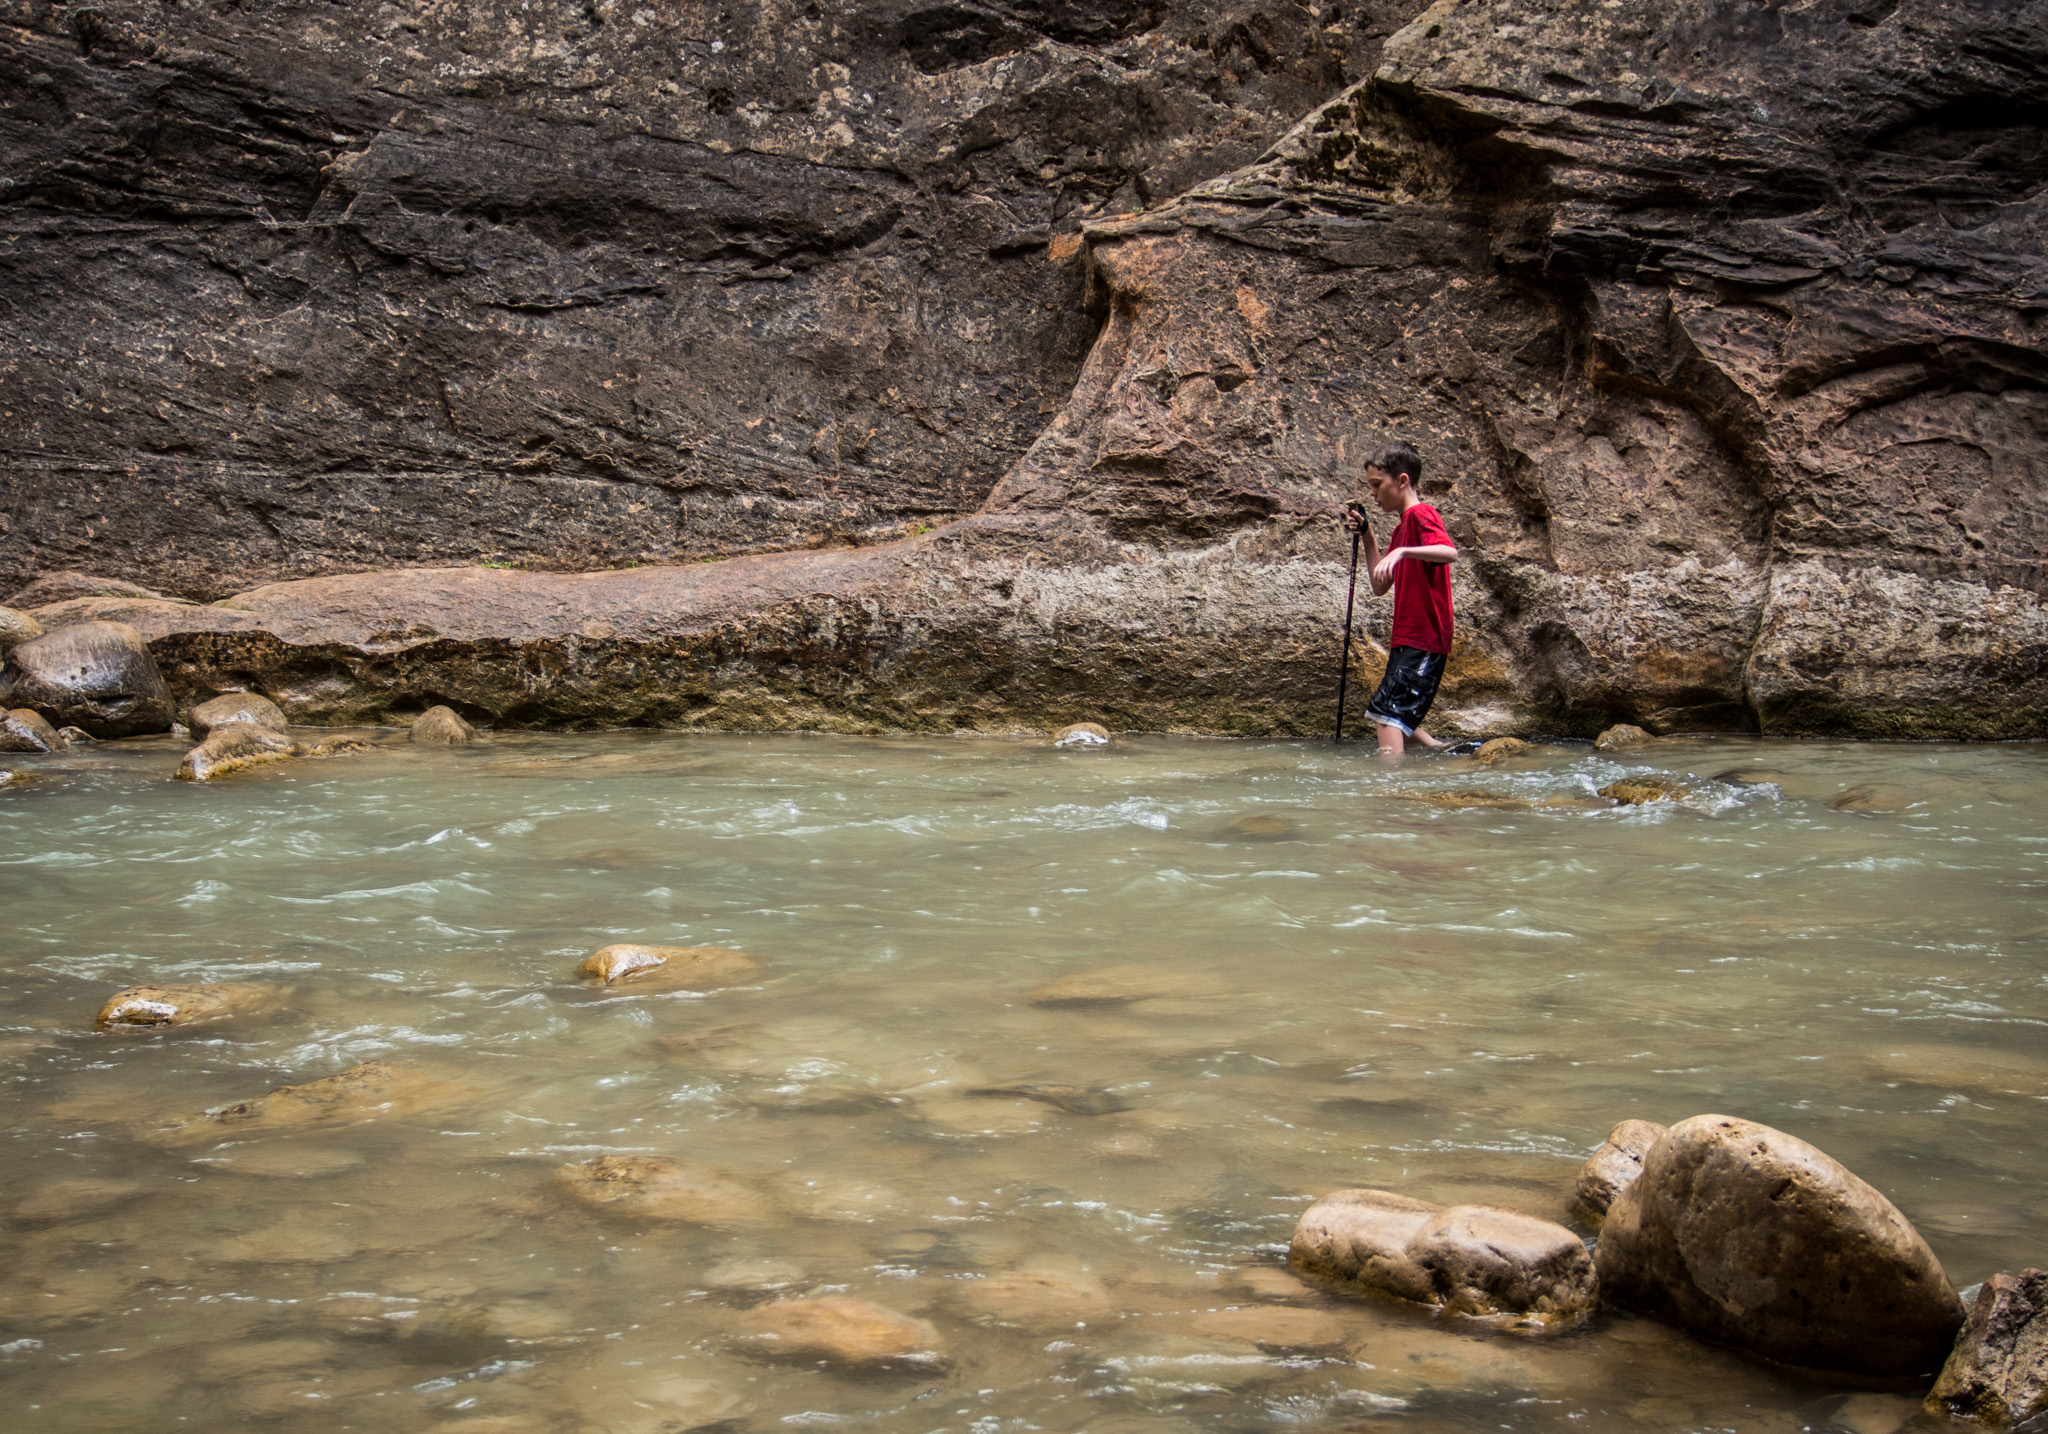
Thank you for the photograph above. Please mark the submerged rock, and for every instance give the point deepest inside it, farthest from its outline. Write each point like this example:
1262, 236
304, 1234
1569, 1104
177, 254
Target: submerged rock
187, 1005
1473, 1260
17, 627
1122, 985
374, 1090
1470, 799
1081, 734
1259, 827
231, 707
1874, 797
442, 727
1051, 1291
1998, 1372
1615, 1165
1641, 790
1621, 736
1500, 749
841, 1330
95, 675
24, 730
644, 1187
1073, 1099
668, 968
1752, 1237
236, 747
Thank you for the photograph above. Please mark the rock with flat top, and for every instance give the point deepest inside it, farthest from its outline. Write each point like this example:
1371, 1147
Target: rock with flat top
95, 675
645, 1187
1997, 1373
24, 730
1753, 1238
1614, 1167
231, 707
626, 966
186, 1005
1500, 749
1081, 734
66, 586
841, 1330
17, 627
1621, 736
442, 727
374, 1090
236, 747
1641, 790
1473, 1260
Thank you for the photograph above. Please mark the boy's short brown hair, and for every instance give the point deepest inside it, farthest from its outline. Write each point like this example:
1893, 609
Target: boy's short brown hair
1398, 459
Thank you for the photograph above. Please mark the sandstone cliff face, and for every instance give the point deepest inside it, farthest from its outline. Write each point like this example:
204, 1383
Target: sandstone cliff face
1719, 324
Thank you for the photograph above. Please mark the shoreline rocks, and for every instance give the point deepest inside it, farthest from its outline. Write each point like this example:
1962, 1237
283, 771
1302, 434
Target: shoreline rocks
24, 730
1753, 1238
1081, 734
1614, 1166
95, 675
17, 627
1998, 1372
1620, 737
1474, 1260
235, 747
441, 726
230, 707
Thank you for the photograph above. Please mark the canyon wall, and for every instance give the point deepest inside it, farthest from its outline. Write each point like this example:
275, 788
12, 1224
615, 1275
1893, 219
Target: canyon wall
1009, 360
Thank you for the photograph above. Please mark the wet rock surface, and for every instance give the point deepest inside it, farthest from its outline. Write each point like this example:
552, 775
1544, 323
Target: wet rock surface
1614, 1166
1998, 1371
767, 286
236, 747
442, 727
1752, 1237
1081, 734
840, 1330
1499, 749
187, 1005
1621, 737
231, 707
625, 966
374, 1090
95, 675
24, 730
640, 1187
1643, 789
1474, 1260
16, 627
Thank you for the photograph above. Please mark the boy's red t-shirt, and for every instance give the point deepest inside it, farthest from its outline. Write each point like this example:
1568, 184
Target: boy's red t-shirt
1422, 591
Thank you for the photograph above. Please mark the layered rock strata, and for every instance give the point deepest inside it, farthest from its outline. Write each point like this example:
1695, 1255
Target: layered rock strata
1718, 326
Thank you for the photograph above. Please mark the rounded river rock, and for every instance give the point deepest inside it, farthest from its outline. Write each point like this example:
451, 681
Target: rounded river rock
95, 675
1752, 1237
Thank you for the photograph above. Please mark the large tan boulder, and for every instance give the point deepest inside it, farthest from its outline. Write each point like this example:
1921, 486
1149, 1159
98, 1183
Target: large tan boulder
186, 1005
644, 1187
625, 965
1082, 734
841, 1330
1614, 1167
1621, 736
1998, 1372
1752, 1237
231, 707
1475, 1260
94, 675
1500, 749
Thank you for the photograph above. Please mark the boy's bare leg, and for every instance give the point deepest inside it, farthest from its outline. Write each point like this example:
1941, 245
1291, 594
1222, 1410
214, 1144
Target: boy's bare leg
1425, 739
1391, 741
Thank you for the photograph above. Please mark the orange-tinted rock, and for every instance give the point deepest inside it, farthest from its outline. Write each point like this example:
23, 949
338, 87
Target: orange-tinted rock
1614, 1167
643, 1187
1620, 737
443, 727
841, 1330
24, 730
1081, 734
668, 968
232, 707
236, 747
1998, 1371
187, 1005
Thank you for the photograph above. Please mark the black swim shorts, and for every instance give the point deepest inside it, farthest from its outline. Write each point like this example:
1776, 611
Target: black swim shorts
1407, 690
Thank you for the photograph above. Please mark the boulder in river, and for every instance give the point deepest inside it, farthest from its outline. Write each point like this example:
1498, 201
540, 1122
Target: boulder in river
95, 675
1749, 1236
1998, 1372
1643, 789
374, 1090
1081, 734
1872, 797
235, 747
1500, 749
1614, 1167
17, 627
443, 727
23, 730
645, 1187
1474, 1260
1620, 736
186, 1005
230, 707
625, 965
842, 1330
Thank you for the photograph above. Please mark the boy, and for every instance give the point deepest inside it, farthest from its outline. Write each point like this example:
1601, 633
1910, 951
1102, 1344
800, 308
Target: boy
1417, 566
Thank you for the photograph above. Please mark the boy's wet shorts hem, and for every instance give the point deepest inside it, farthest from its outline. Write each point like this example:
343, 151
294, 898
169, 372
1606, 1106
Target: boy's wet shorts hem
1407, 690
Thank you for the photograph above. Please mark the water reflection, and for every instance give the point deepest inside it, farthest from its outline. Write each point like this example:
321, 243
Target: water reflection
1046, 1052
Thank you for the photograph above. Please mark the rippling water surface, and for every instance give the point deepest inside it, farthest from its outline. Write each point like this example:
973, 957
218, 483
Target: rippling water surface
1341, 983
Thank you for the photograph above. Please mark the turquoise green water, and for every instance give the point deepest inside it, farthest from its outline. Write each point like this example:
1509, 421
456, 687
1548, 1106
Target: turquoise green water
1358, 988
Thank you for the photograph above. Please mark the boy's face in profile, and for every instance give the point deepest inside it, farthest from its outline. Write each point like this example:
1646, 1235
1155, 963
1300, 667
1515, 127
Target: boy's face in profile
1386, 489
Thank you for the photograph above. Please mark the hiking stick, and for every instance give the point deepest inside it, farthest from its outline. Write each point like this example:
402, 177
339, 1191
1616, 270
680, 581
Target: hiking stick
1344, 662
